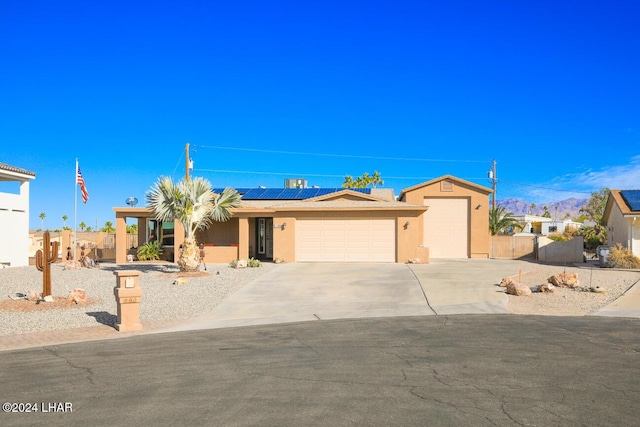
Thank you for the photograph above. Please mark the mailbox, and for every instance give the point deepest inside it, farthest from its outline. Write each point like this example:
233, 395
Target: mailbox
128, 295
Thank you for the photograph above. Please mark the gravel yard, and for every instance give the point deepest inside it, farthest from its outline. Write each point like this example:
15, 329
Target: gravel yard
571, 302
161, 299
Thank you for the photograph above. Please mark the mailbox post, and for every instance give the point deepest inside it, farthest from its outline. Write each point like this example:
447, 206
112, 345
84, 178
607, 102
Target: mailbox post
128, 295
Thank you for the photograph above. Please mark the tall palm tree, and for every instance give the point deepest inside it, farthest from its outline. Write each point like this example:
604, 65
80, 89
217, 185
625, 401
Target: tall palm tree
42, 216
501, 221
195, 205
64, 221
82, 226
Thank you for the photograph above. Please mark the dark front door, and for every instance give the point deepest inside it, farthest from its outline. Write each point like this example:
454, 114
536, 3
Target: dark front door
264, 235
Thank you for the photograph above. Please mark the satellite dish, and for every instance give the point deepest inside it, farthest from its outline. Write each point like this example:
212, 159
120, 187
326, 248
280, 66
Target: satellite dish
131, 201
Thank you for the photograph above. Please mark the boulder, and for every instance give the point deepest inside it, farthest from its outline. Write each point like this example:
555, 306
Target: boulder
546, 288
415, 261
505, 282
518, 289
79, 296
564, 280
242, 263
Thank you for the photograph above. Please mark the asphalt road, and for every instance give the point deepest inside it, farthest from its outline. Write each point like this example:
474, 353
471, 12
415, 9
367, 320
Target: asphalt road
471, 370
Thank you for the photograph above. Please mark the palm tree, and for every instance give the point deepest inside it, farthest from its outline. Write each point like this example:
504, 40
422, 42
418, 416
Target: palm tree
64, 221
195, 205
82, 226
42, 216
348, 182
108, 227
501, 221
375, 179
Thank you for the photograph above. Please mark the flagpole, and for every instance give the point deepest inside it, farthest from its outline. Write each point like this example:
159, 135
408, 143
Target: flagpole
75, 211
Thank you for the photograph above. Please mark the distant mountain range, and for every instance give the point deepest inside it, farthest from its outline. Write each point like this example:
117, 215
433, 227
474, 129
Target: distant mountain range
520, 207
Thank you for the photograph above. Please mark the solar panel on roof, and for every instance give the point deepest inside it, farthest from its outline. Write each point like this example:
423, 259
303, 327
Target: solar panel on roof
287, 193
632, 197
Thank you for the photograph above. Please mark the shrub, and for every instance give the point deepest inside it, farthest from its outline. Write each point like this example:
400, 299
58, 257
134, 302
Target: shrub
620, 257
254, 262
251, 262
150, 251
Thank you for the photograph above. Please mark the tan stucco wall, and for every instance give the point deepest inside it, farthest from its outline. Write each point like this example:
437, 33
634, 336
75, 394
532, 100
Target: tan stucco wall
617, 228
407, 240
479, 237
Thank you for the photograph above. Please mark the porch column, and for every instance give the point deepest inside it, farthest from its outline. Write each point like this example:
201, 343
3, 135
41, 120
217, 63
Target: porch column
243, 238
142, 231
121, 238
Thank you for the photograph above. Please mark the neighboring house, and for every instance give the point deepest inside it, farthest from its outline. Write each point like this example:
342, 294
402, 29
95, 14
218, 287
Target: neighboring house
622, 219
330, 225
14, 216
542, 225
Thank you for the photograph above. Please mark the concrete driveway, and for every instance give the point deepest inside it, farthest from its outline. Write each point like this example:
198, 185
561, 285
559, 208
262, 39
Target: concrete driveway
321, 291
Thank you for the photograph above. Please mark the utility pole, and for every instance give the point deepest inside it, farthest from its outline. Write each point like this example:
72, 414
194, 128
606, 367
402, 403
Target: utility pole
494, 180
186, 169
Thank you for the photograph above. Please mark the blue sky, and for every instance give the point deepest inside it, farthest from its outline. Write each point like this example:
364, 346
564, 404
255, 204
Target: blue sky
265, 91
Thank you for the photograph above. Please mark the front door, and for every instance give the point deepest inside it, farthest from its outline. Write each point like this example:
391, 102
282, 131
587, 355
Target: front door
264, 234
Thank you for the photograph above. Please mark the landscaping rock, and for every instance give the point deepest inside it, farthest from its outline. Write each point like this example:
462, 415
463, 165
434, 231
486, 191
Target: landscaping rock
242, 263
79, 296
518, 289
564, 280
546, 287
33, 295
506, 281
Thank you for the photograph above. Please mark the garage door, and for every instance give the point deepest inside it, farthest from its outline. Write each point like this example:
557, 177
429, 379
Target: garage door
446, 228
349, 240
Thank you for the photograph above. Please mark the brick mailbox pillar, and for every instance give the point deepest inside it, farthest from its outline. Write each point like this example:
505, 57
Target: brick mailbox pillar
128, 295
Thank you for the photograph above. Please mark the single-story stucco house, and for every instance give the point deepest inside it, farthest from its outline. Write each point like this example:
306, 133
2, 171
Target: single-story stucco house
14, 216
622, 218
443, 218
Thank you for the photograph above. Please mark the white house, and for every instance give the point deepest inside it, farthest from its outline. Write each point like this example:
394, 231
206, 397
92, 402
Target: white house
543, 225
14, 216
622, 219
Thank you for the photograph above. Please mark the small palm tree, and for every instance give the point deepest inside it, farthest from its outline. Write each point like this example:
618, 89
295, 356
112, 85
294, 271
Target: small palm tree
195, 205
82, 226
108, 227
375, 179
348, 182
500, 221
64, 221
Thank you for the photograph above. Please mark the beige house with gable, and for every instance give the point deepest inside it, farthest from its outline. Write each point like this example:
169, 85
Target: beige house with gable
335, 225
622, 218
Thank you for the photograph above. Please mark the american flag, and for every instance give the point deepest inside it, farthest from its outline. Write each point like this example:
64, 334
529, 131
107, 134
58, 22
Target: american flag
83, 188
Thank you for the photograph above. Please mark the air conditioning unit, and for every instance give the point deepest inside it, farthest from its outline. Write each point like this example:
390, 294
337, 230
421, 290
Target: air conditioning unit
295, 183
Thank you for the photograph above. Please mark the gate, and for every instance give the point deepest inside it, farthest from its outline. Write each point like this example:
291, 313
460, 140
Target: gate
513, 247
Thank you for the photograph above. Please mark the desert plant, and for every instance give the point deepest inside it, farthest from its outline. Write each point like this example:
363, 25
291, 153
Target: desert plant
150, 251
501, 221
621, 257
195, 205
252, 262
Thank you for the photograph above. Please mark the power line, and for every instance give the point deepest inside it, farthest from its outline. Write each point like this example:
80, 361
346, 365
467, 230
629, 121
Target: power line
351, 156
315, 174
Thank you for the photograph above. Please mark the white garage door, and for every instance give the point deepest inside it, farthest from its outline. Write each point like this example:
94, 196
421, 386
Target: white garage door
446, 228
348, 240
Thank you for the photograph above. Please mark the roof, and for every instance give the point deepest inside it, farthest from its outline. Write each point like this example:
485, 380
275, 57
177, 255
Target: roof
616, 198
480, 188
16, 170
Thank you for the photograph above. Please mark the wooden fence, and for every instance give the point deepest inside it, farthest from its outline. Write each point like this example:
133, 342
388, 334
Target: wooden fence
513, 247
